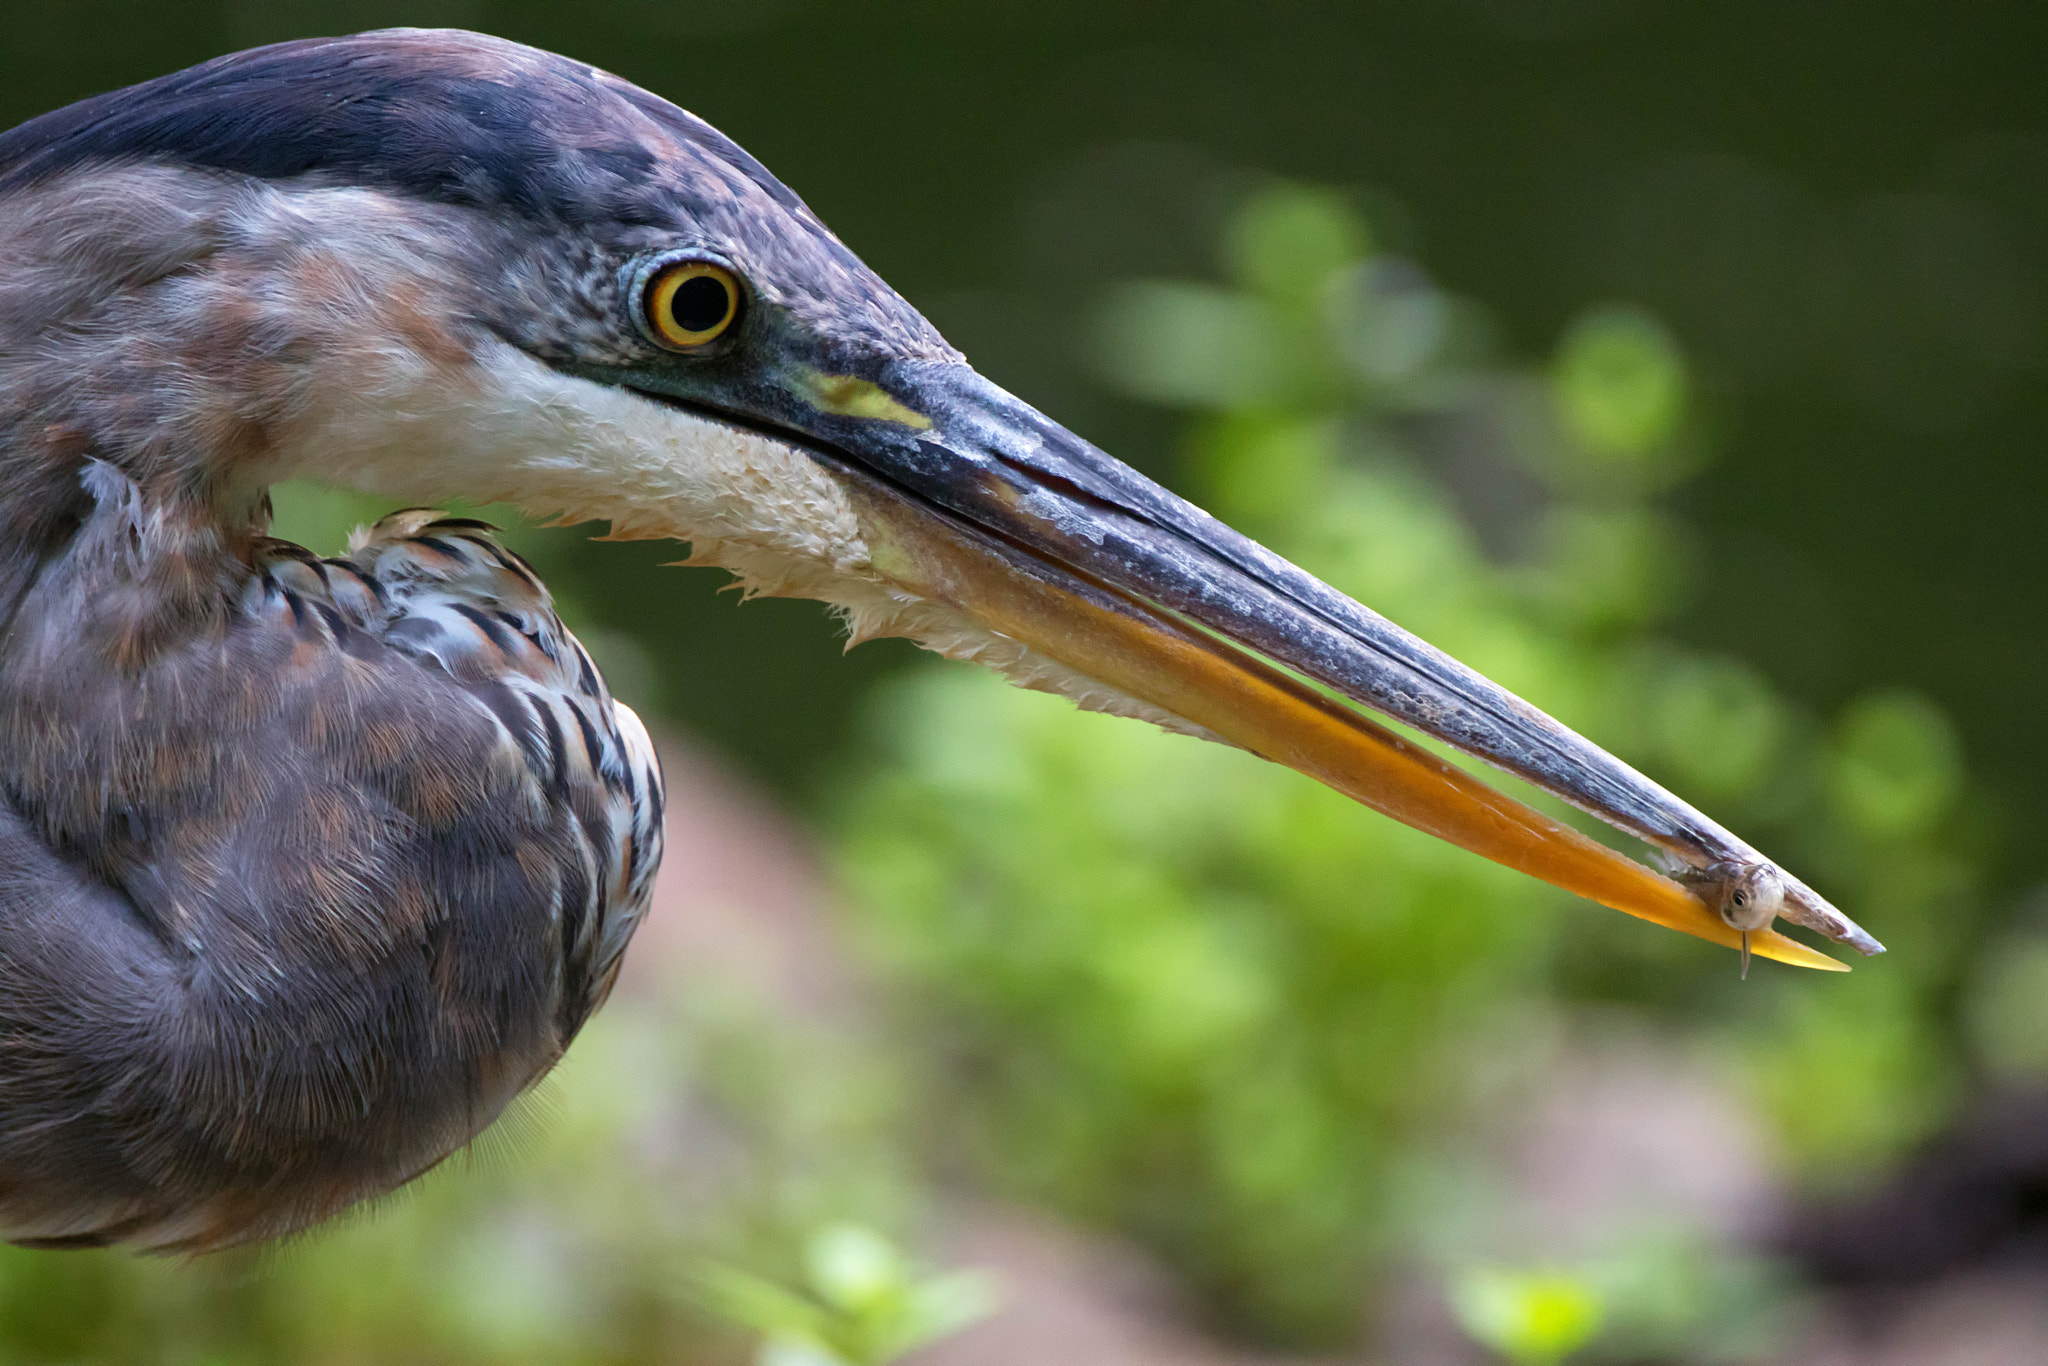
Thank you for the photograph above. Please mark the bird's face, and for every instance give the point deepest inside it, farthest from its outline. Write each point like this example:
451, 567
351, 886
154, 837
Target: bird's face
614, 313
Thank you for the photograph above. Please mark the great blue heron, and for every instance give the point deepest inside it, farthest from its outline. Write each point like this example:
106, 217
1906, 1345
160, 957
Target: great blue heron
308, 866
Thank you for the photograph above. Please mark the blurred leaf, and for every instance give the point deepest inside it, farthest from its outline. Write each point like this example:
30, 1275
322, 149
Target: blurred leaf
758, 1303
861, 1305
852, 1267
1285, 241
943, 1305
2008, 1010
1620, 385
1717, 723
1896, 767
1532, 1317
1852, 1076
1190, 345
1610, 567
1262, 470
1390, 320
782, 1352
1671, 1293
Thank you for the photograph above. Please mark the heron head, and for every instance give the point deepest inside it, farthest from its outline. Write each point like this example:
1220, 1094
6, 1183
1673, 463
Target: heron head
436, 265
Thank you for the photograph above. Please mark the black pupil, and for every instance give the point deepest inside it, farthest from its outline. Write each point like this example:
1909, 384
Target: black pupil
699, 304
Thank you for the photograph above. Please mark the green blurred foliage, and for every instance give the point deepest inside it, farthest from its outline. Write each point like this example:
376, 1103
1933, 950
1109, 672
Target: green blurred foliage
2008, 1009
1658, 1293
1669, 1294
860, 1302
1140, 962
1620, 385
1176, 991
1532, 1318
1896, 769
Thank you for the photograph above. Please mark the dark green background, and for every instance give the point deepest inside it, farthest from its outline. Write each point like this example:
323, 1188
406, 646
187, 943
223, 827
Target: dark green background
1839, 207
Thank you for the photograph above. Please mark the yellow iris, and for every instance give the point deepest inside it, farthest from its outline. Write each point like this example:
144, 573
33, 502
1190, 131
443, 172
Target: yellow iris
691, 303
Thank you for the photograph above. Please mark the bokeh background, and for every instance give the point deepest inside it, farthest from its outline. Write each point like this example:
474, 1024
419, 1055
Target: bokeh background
1680, 365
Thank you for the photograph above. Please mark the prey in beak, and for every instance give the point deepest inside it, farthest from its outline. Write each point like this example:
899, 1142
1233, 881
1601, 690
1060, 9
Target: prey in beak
1748, 898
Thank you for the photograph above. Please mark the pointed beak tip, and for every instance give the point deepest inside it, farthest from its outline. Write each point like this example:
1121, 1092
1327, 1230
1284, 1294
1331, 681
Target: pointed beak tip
1805, 907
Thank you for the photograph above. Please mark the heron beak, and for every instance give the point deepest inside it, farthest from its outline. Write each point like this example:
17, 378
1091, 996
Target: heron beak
971, 498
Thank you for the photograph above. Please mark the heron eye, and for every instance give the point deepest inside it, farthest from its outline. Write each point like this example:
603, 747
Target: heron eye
690, 303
